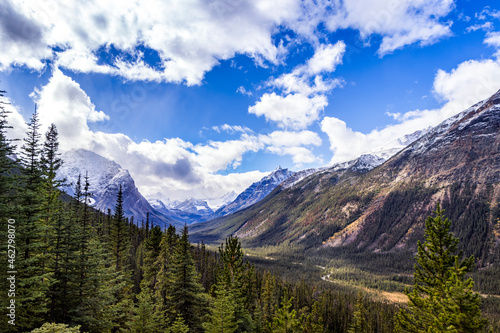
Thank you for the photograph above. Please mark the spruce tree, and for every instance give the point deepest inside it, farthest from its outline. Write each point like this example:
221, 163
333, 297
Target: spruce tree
178, 326
34, 279
7, 208
359, 322
313, 322
441, 299
187, 297
233, 273
160, 275
119, 233
7, 180
268, 301
222, 311
285, 320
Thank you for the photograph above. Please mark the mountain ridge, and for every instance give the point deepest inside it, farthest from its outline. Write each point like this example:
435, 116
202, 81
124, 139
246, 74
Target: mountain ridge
456, 163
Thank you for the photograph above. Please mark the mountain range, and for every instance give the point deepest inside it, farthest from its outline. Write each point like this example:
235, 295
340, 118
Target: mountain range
105, 177
355, 207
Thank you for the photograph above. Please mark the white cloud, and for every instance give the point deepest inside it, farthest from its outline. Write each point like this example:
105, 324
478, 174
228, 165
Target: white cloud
294, 111
189, 37
467, 84
485, 26
175, 167
16, 124
304, 90
232, 129
493, 39
326, 58
63, 102
399, 22
296, 144
305, 79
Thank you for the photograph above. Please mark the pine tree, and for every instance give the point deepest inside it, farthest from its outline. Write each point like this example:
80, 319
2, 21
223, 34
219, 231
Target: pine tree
441, 300
268, 301
313, 322
56, 328
33, 278
186, 292
222, 313
160, 274
178, 326
144, 319
285, 320
359, 322
119, 235
6, 165
7, 208
233, 273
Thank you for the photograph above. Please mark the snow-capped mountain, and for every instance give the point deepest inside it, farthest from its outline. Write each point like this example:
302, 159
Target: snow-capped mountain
222, 201
393, 147
195, 206
299, 175
256, 192
456, 163
377, 156
105, 178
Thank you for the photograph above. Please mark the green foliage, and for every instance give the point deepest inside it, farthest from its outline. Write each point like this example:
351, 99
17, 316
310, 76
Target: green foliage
186, 292
233, 273
359, 322
119, 233
441, 300
222, 317
313, 321
56, 328
178, 326
285, 319
144, 319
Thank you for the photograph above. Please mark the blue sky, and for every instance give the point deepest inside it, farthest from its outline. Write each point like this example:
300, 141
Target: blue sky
199, 98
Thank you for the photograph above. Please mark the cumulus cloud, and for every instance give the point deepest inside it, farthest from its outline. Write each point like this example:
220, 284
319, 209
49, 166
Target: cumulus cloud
303, 88
468, 83
23, 39
63, 102
294, 111
399, 22
189, 37
493, 39
326, 58
173, 166
295, 144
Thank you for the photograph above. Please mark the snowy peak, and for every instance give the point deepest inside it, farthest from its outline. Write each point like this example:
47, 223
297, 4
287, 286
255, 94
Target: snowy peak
105, 178
256, 192
99, 169
194, 206
299, 175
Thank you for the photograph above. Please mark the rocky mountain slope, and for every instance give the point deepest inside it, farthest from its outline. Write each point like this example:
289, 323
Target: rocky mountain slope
255, 192
105, 177
383, 210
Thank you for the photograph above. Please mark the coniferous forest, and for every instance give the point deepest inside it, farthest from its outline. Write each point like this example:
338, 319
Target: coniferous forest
70, 268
